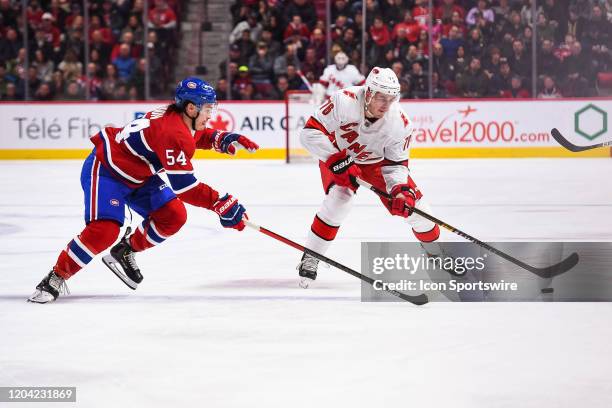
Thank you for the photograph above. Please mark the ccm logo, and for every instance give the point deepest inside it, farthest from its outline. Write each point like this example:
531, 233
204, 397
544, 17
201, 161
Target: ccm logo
227, 205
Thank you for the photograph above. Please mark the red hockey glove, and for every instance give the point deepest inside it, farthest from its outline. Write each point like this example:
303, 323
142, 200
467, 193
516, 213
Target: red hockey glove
344, 170
226, 142
403, 198
230, 212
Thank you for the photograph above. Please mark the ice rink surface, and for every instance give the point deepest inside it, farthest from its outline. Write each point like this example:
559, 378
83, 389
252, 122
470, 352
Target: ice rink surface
220, 322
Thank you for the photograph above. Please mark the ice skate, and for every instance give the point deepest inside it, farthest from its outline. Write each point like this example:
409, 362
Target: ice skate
122, 262
307, 269
434, 250
49, 289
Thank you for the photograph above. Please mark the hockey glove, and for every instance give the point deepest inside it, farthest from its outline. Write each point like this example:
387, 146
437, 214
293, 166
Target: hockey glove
230, 212
404, 199
226, 142
344, 170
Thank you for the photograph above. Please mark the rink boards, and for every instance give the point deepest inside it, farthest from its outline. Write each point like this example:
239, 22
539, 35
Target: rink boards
443, 129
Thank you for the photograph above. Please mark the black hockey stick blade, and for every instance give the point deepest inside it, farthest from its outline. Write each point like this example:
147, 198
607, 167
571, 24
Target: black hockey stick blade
554, 270
572, 147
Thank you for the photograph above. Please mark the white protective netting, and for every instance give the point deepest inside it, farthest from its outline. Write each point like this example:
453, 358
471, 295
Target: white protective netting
300, 105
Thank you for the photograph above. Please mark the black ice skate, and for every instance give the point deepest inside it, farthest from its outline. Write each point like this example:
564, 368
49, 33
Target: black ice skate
122, 262
307, 269
434, 250
49, 289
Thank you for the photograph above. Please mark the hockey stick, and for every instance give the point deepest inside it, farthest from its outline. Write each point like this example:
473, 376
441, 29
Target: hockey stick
548, 272
572, 147
417, 300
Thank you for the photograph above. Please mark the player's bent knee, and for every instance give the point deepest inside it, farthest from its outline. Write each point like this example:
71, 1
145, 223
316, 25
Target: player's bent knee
171, 217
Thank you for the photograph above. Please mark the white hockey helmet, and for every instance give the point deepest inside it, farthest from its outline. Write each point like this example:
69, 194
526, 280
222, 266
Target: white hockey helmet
383, 80
341, 59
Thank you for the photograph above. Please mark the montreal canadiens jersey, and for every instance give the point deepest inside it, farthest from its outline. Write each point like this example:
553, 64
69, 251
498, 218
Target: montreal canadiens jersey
340, 124
159, 141
335, 79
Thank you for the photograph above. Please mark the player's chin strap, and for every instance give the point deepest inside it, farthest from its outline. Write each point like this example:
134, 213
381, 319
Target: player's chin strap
193, 120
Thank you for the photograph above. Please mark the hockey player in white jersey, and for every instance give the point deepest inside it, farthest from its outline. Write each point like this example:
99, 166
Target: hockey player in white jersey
363, 132
340, 75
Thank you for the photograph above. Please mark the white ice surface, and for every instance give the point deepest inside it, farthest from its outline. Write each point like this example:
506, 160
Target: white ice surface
220, 322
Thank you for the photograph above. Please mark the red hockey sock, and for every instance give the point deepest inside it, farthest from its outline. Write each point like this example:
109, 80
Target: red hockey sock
428, 236
95, 238
160, 224
323, 230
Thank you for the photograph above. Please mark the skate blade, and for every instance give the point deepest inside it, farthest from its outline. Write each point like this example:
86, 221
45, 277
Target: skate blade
41, 297
110, 262
305, 282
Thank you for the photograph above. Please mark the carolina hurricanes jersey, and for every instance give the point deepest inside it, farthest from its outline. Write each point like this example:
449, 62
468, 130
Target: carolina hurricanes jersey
159, 141
335, 79
340, 124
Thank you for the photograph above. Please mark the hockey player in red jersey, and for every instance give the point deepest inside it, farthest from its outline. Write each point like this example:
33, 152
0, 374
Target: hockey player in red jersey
362, 131
123, 170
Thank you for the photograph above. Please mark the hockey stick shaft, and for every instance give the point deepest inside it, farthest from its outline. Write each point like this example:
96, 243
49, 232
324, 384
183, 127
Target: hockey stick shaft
547, 272
572, 147
417, 300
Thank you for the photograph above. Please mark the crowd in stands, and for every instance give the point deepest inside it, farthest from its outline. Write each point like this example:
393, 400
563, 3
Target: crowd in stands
58, 69
480, 48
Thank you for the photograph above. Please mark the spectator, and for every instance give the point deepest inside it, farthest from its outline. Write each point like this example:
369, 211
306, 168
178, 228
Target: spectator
250, 24
475, 45
305, 9
546, 31
379, 32
105, 33
52, 33
125, 64
243, 79
456, 21
520, 62
246, 45
234, 57
221, 89
274, 47
163, 19
516, 89
33, 81
439, 91
294, 80
549, 89
126, 38
10, 45
281, 87
289, 57
419, 82
11, 93
10, 12
492, 65
398, 68
134, 27
408, 29
43, 93
420, 12
110, 82
575, 24
547, 63
348, 43
312, 65
44, 67
71, 68
98, 44
481, 10
453, 42
500, 82
473, 82
445, 11
58, 85
317, 41
296, 27
73, 91
261, 65
94, 82
392, 11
